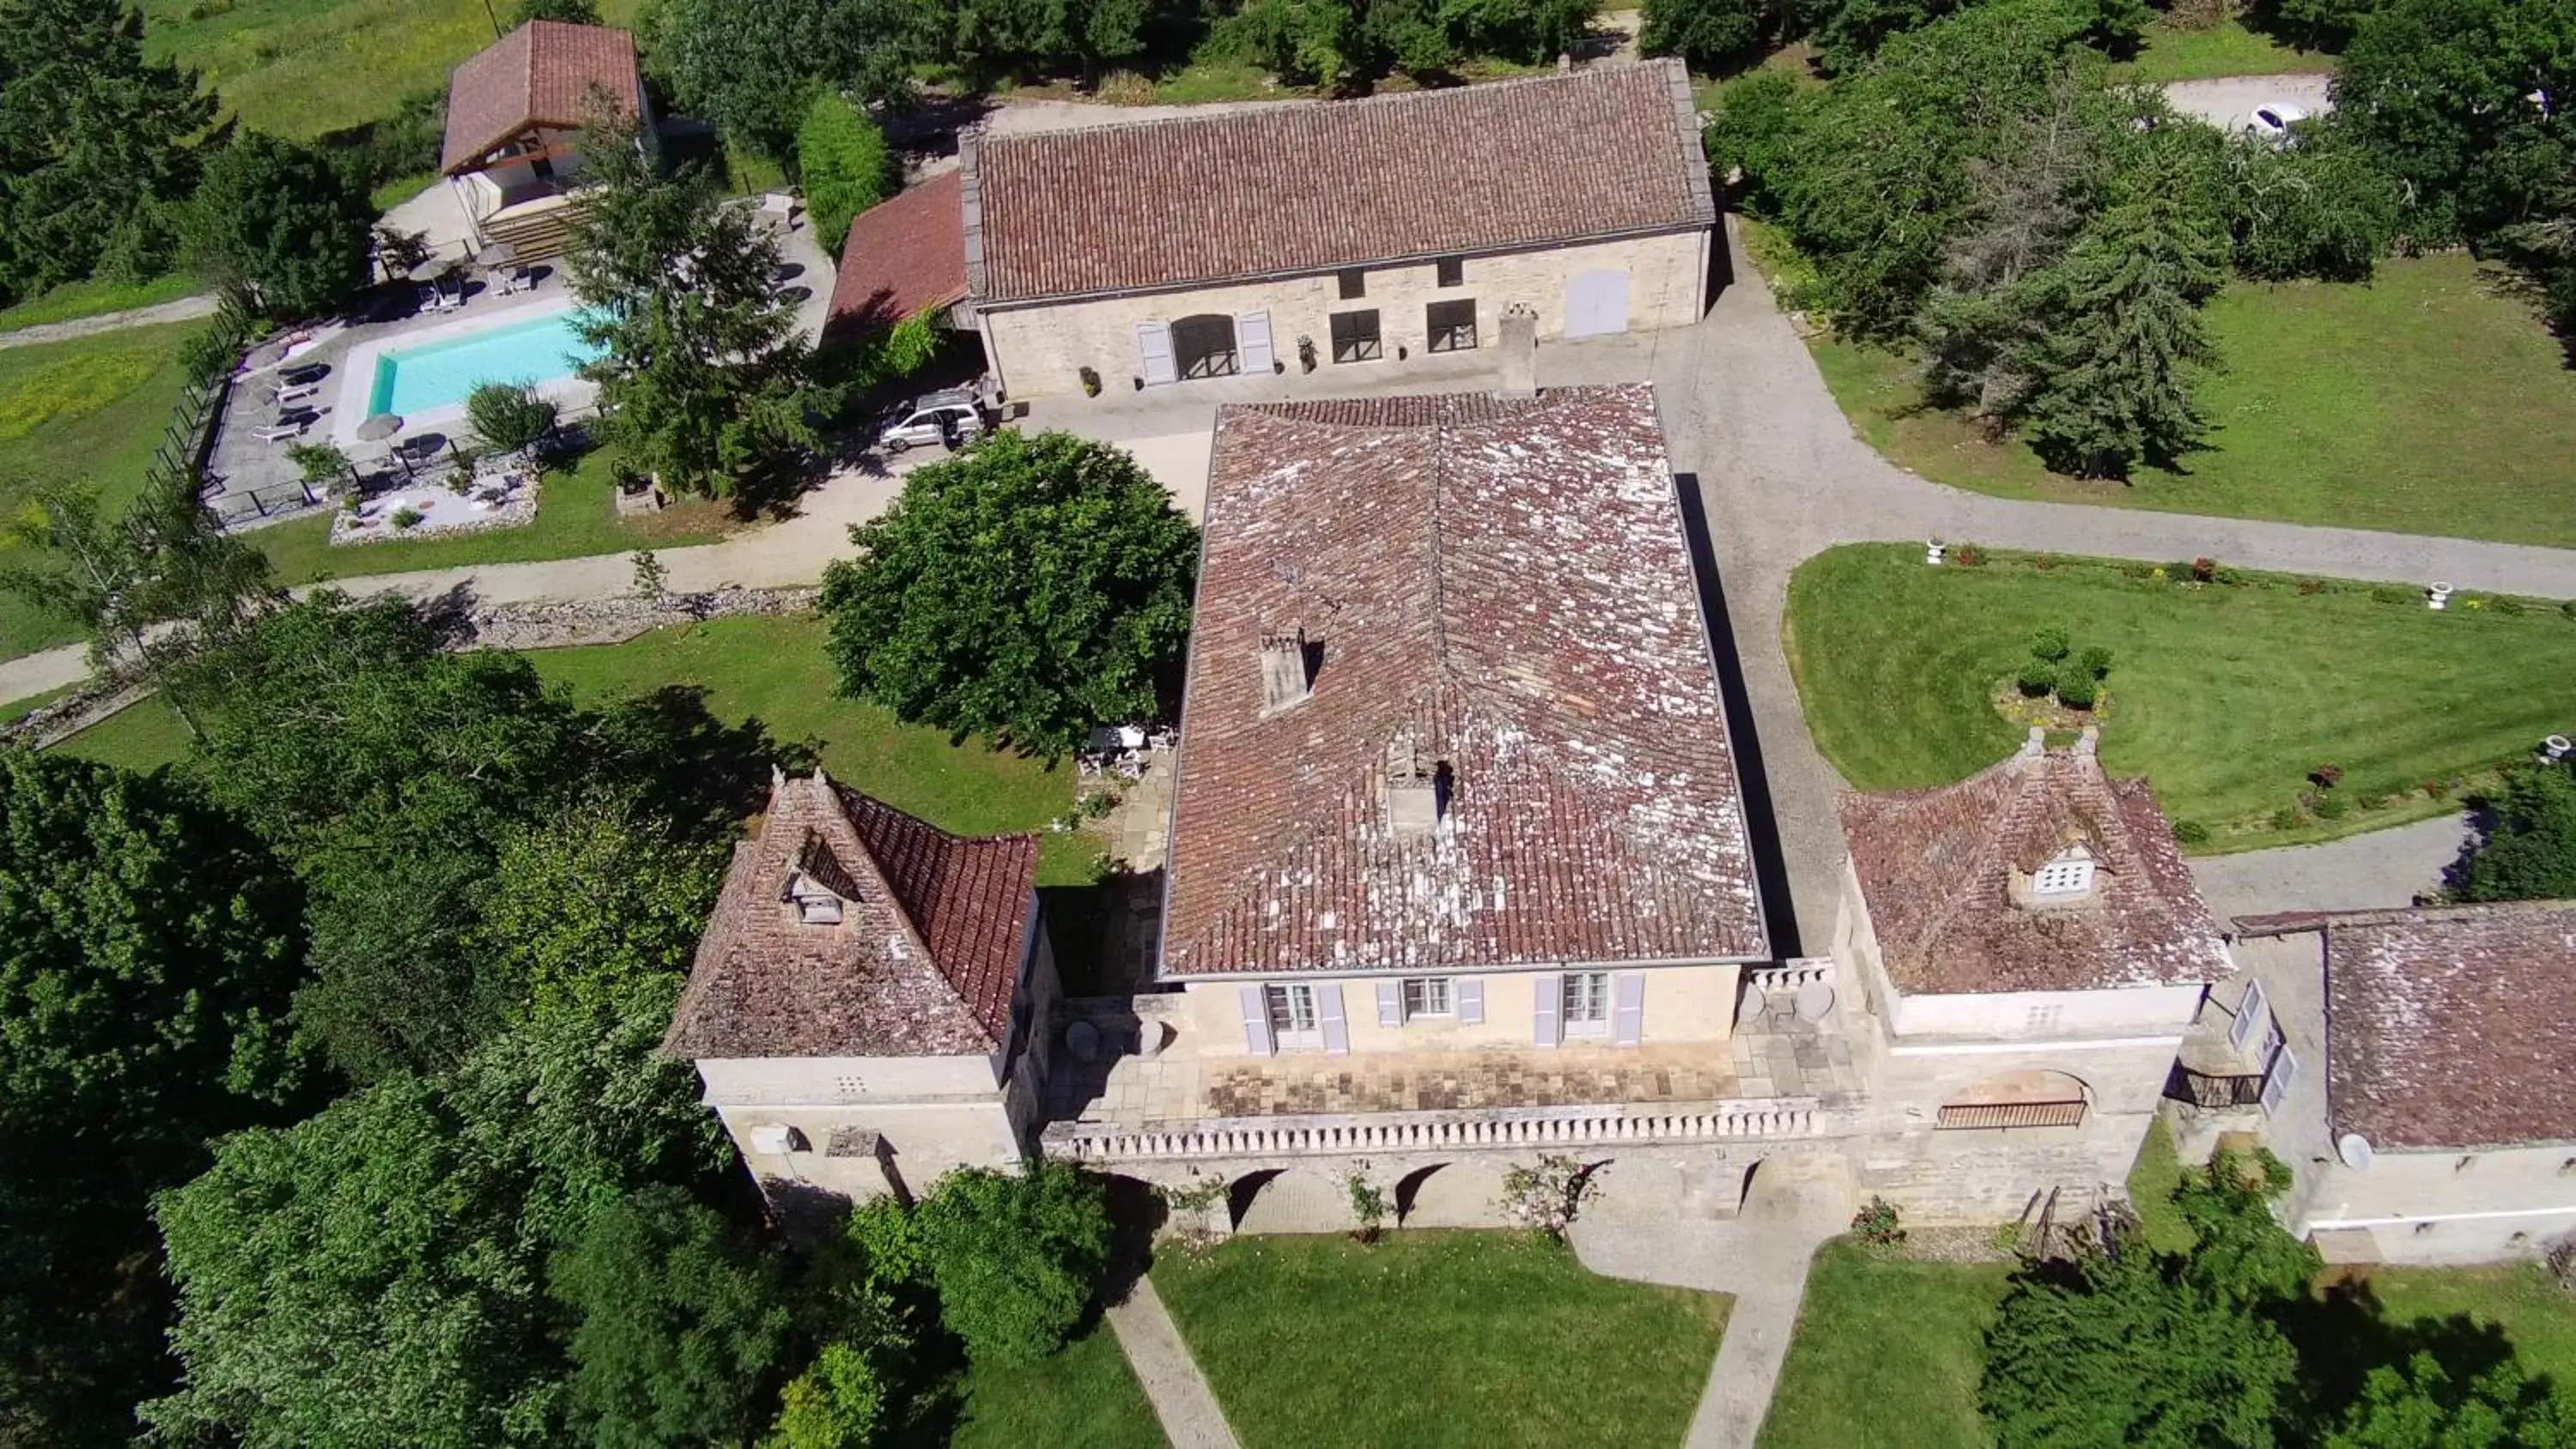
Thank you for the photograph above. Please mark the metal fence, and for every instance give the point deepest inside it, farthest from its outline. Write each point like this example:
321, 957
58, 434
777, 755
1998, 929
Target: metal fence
180, 460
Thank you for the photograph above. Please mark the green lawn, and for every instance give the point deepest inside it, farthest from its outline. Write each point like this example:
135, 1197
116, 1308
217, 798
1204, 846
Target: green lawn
1888, 1352
2225, 696
1430, 1339
303, 67
2152, 1180
576, 516
2171, 52
74, 300
771, 671
16, 709
1083, 1398
93, 409
2538, 1315
2429, 401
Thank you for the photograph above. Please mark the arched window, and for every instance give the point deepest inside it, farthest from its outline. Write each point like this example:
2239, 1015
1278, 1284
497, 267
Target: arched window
1203, 346
2018, 1099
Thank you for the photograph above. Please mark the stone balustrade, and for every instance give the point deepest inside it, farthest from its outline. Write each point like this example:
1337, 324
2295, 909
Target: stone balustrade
1785, 978
1492, 1129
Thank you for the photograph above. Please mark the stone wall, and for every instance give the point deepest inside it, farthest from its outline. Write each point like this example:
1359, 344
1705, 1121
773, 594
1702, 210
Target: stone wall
1039, 351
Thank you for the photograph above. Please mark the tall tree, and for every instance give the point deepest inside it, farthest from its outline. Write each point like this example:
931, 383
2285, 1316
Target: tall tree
2451, 95
751, 66
845, 164
2422, 1406
148, 946
1028, 588
2529, 851
2124, 340
705, 379
287, 224
587, 903
97, 144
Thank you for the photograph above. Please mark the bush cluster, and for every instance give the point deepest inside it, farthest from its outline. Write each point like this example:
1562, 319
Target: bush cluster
2056, 667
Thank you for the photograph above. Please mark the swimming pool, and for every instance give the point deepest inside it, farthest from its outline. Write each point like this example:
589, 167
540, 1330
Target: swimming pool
413, 380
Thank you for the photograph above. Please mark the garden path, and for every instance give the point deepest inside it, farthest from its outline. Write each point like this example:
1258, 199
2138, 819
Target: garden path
1173, 1383
179, 311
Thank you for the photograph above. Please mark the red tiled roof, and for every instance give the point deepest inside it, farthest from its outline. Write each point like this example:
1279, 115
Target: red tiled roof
540, 74
904, 255
1510, 164
1504, 586
2449, 1027
923, 964
1939, 871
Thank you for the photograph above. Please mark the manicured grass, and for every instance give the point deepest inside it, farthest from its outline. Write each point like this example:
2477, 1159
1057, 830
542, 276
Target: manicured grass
90, 409
576, 517
2224, 696
16, 709
1085, 1397
144, 735
2152, 1180
1430, 1339
773, 671
303, 67
2429, 401
1888, 1352
74, 300
2538, 1315
2171, 52
390, 194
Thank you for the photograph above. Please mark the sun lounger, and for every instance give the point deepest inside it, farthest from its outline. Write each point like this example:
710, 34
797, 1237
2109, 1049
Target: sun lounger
298, 393
278, 432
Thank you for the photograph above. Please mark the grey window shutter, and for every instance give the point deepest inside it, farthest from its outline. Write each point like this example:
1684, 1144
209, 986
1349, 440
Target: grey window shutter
1628, 1008
1256, 1022
1390, 1004
1547, 1016
1328, 1013
1154, 353
1470, 991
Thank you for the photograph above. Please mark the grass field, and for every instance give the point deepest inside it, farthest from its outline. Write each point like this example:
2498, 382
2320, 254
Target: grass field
576, 516
2429, 401
74, 300
2538, 1315
1085, 1397
303, 67
2224, 696
2171, 52
1888, 1352
771, 671
91, 409
1432, 1340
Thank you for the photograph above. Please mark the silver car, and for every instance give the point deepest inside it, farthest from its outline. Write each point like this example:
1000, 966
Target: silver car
949, 418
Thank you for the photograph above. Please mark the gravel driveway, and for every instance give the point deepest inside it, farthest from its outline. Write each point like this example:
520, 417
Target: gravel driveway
2226, 103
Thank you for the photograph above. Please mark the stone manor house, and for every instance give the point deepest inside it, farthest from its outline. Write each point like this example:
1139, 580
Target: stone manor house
1460, 875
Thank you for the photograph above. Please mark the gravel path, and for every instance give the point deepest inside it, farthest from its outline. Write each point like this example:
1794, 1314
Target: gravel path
2361, 872
179, 311
2227, 102
1180, 1393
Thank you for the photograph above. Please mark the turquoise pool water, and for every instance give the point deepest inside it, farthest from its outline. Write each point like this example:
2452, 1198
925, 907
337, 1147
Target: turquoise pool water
412, 380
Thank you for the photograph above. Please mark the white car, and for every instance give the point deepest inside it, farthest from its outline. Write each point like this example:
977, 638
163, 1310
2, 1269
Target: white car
2273, 122
950, 418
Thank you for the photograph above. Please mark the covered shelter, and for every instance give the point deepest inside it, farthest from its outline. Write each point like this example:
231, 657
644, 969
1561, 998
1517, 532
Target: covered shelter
514, 112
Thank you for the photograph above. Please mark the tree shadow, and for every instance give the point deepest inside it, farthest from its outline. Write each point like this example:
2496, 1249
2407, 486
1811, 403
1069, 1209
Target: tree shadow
2345, 1332
693, 769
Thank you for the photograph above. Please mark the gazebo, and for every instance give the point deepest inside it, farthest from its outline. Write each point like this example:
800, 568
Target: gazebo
512, 115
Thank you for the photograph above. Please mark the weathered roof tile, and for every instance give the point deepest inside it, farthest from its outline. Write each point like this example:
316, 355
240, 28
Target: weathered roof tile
541, 74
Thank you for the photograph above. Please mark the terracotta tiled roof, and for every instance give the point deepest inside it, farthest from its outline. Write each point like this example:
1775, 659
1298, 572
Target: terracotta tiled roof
540, 74
1939, 871
1502, 585
2449, 1028
1510, 164
904, 255
924, 962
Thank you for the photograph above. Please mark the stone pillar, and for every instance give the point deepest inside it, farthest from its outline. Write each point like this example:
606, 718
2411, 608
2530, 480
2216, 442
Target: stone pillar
1519, 352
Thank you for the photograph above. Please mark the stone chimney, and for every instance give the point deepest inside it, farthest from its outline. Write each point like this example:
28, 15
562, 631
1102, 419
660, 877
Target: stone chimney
2035, 746
1284, 680
2088, 742
1519, 360
1413, 792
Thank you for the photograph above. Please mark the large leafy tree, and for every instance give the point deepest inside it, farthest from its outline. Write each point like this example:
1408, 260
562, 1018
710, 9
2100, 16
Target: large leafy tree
1713, 35
683, 1325
751, 66
706, 379
586, 904
845, 163
148, 946
2529, 851
286, 223
1028, 588
97, 144
2455, 99
2423, 1406
374, 1274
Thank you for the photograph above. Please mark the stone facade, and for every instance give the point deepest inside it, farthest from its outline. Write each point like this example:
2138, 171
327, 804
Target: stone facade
1040, 350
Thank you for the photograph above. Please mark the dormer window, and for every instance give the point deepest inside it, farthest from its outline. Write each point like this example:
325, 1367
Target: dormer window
2070, 874
816, 904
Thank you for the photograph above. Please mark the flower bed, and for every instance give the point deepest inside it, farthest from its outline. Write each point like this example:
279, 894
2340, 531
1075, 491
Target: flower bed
429, 509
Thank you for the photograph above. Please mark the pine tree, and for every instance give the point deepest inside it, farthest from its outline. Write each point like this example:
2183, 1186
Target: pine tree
2124, 335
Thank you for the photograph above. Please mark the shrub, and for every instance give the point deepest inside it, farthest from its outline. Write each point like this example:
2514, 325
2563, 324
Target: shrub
2096, 661
1547, 1196
1368, 1204
2076, 688
2561, 1262
838, 1403
2568, 608
2506, 605
2312, 587
509, 416
406, 518
2326, 775
1969, 556
2288, 817
1876, 1223
2390, 594
2332, 807
2191, 832
2035, 680
2435, 789
1090, 380
208, 355
320, 463
1016, 1256
2204, 570
845, 164
2049, 644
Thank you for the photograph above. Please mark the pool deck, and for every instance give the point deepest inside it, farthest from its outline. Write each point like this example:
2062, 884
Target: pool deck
250, 481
